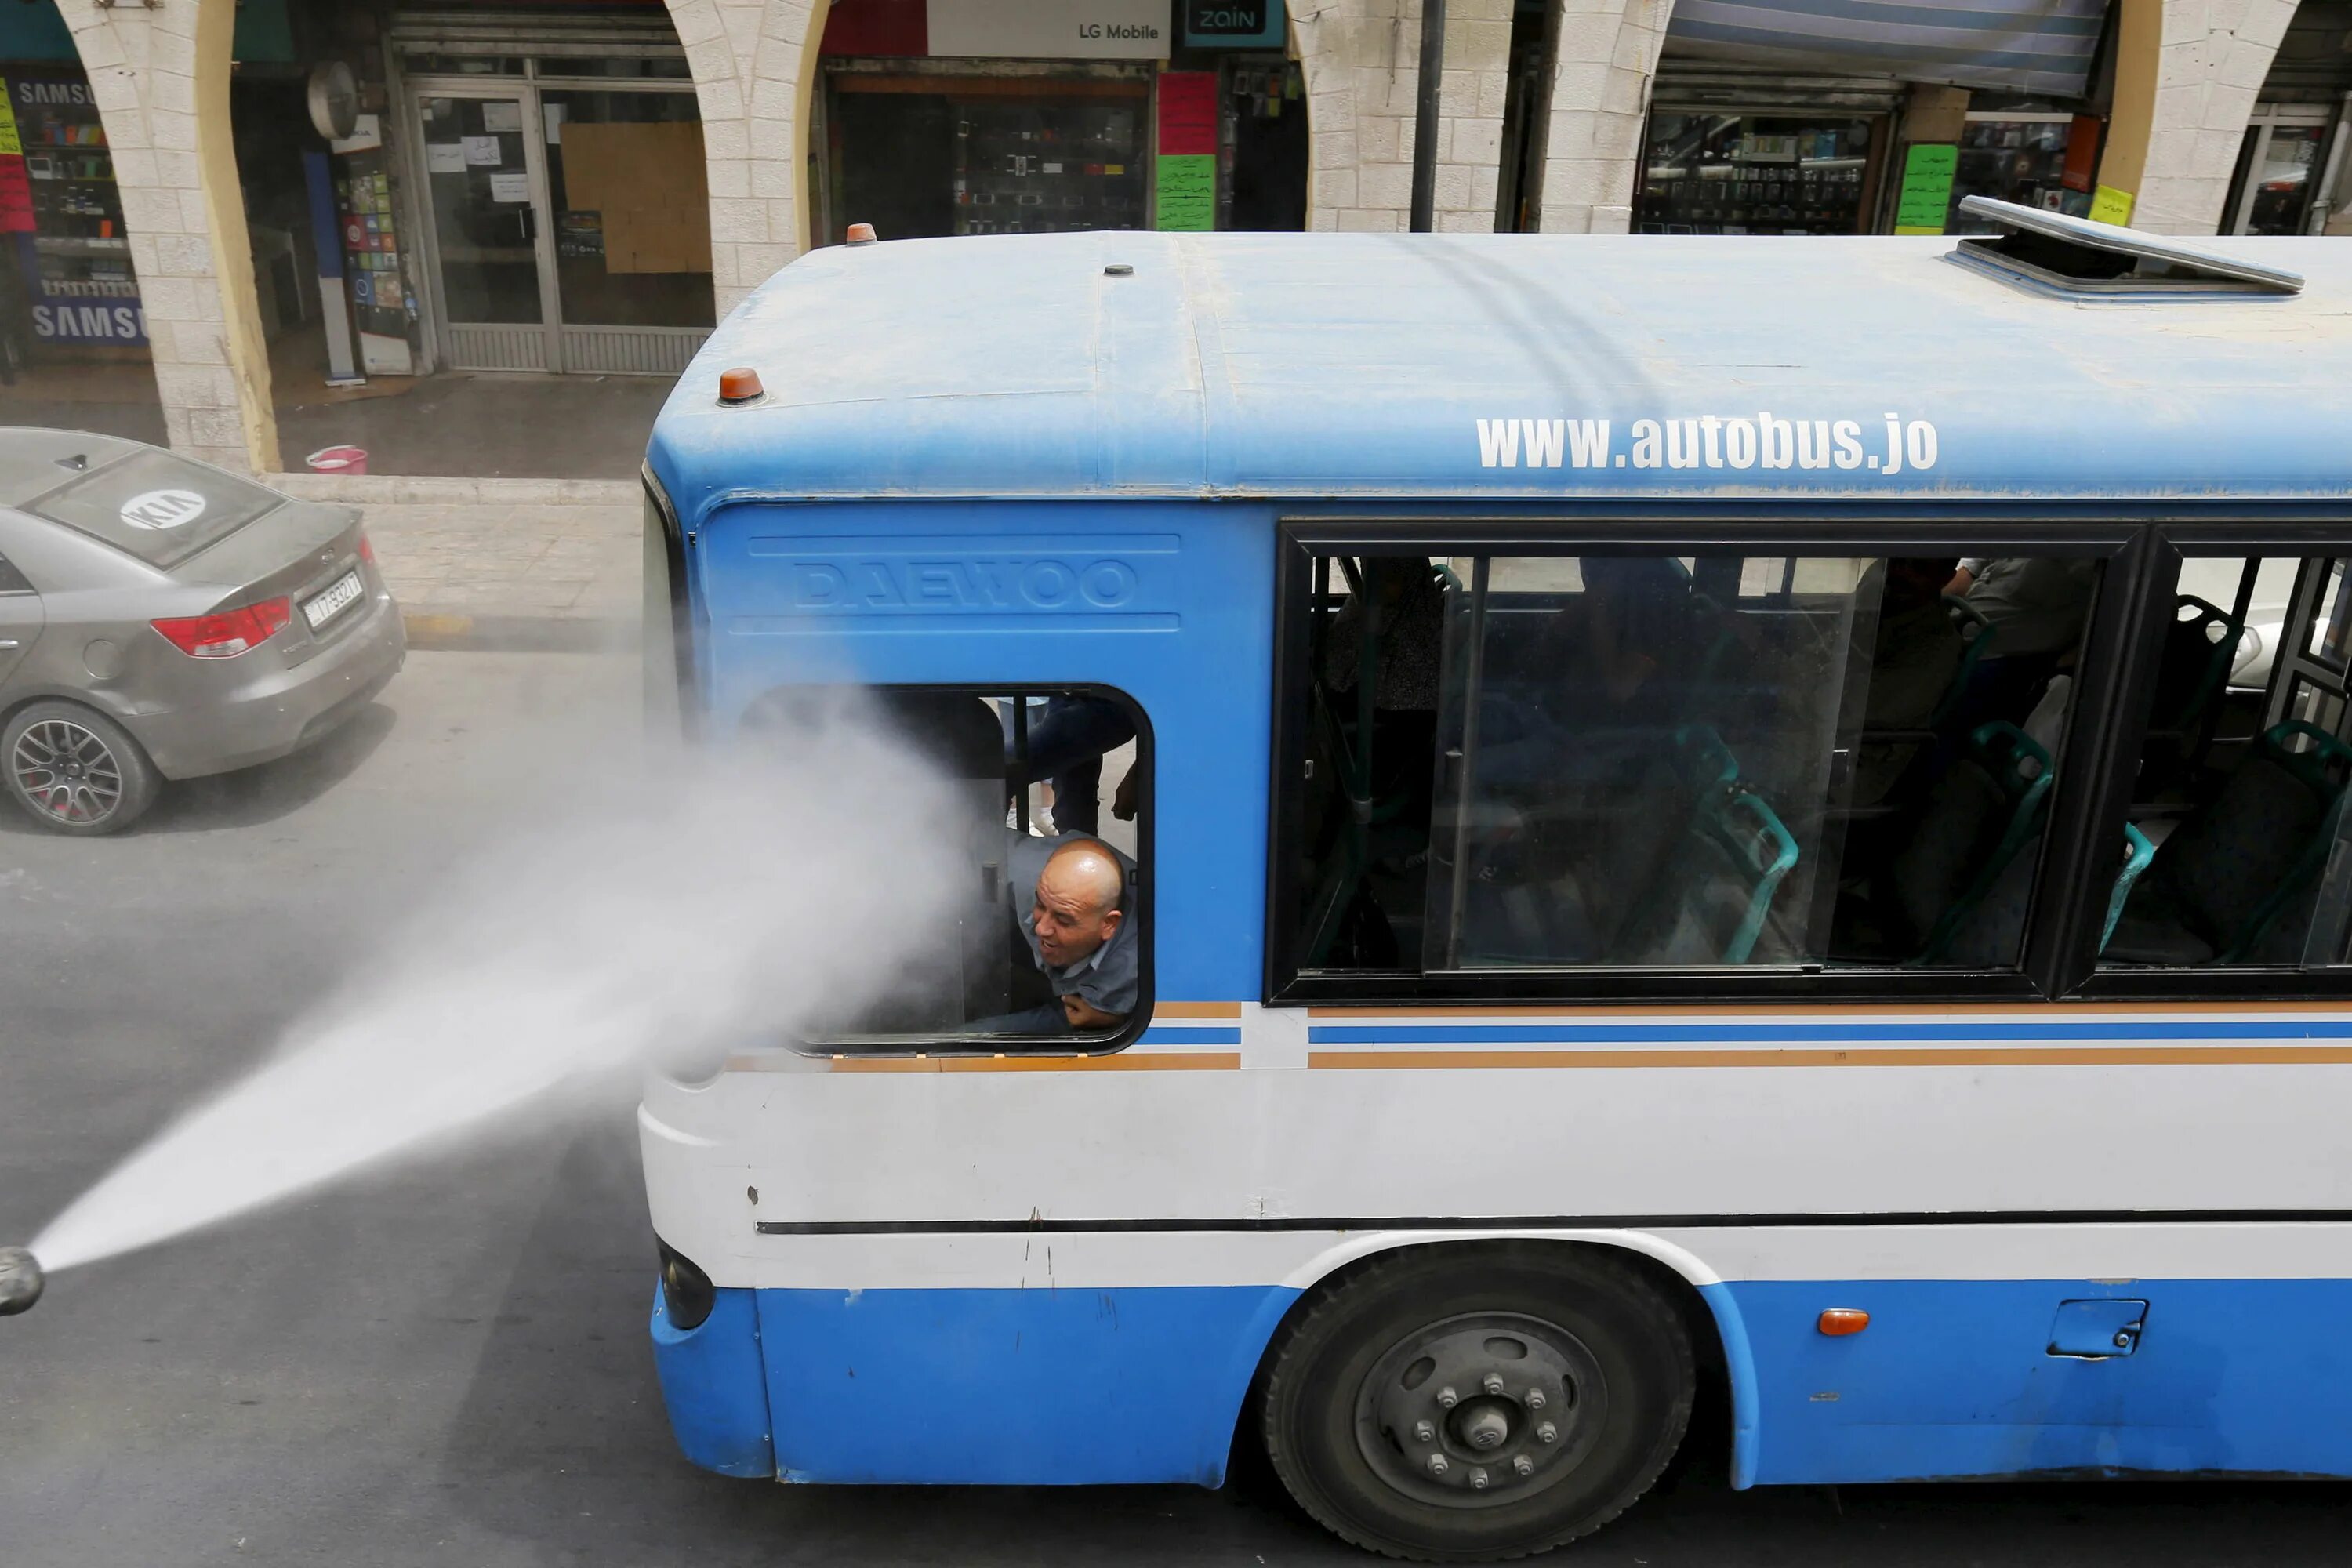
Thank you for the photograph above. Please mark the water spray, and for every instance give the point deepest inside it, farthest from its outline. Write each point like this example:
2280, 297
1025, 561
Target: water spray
20, 1281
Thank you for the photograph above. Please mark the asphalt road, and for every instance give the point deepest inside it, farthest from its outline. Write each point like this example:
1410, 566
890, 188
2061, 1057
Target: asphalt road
446, 1363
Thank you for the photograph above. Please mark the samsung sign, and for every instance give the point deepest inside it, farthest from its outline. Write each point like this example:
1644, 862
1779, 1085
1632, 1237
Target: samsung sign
1230, 25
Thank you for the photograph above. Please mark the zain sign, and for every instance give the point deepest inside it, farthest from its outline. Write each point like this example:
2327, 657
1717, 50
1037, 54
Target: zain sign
1232, 23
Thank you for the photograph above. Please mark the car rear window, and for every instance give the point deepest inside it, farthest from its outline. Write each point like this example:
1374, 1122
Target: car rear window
160, 507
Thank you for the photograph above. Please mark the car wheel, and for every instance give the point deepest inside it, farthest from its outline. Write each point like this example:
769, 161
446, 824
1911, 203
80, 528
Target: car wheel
75, 769
1471, 1403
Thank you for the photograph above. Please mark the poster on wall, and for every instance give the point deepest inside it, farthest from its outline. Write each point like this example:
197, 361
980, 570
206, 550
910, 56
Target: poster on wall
1184, 173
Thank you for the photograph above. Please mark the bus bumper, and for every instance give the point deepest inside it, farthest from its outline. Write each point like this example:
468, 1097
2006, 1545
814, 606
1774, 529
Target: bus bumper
715, 1386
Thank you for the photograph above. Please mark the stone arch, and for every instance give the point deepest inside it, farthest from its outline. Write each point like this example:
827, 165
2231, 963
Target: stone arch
1361, 61
160, 80
751, 77
1603, 67
2186, 75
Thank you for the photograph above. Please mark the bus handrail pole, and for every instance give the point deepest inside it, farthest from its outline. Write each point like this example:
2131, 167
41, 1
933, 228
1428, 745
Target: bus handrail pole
1464, 780
1424, 119
1020, 762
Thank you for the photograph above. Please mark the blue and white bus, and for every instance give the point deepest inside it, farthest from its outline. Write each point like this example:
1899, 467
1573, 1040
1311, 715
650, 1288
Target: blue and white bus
1752, 824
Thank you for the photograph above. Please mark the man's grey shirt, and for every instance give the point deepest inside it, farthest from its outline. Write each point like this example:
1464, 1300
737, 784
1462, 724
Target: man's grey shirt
1107, 977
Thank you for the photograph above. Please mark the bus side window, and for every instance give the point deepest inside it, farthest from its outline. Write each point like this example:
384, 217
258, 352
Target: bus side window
2231, 847
1643, 760
1046, 946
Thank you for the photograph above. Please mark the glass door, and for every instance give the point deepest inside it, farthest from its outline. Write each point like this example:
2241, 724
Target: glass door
493, 259
2280, 170
632, 225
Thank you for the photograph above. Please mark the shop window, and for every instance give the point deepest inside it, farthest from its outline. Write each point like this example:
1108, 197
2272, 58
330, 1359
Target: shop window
624, 176
1709, 172
433, 64
2026, 160
647, 68
1630, 761
1049, 827
2236, 814
919, 156
2284, 180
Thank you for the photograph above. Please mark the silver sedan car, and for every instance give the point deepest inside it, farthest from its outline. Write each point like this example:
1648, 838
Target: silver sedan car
163, 619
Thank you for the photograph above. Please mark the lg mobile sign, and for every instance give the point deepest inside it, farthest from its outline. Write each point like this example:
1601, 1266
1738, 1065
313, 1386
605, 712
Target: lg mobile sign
1049, 30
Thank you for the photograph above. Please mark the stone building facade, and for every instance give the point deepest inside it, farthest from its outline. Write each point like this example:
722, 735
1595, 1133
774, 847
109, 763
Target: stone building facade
2187, 72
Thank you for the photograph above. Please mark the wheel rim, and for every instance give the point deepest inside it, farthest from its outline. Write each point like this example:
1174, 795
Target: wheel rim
66, 772
1481, 1411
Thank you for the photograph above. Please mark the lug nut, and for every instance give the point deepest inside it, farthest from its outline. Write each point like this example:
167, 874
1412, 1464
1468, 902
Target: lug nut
1492, 1383
1524, 1465
1547, 1433
1423, 1432
1536, 1399
1437, 1465
1478, 1480
1447, 1399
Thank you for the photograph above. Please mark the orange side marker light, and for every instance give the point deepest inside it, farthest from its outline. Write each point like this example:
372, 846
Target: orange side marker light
859, 234
1839, 1321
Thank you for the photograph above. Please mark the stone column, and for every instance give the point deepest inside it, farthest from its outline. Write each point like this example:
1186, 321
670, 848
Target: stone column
2186, 74
160, 79
754, 65
1606, 58
1361, 62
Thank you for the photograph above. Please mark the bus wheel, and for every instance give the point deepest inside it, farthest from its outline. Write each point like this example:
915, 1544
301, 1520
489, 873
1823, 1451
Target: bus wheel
1462, 1404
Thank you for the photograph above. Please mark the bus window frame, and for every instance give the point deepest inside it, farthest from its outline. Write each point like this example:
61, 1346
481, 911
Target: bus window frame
883, 1048
2060, 908
2300, 533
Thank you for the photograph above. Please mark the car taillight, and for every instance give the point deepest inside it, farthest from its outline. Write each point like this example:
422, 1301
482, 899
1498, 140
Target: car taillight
367, 550
228, 633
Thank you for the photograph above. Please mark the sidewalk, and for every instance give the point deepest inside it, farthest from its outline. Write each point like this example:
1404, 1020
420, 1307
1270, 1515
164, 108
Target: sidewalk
502, 565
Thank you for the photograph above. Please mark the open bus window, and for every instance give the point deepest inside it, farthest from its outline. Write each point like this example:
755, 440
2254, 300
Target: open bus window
1047, 945
2232, 851
1647, 759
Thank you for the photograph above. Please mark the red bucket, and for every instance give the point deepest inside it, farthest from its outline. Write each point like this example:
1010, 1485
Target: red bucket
339, 460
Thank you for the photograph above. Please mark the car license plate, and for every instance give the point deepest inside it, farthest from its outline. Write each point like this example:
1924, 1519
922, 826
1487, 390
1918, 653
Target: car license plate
323, 609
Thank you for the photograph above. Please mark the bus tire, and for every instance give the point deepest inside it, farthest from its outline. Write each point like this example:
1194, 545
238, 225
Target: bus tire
1478, 1402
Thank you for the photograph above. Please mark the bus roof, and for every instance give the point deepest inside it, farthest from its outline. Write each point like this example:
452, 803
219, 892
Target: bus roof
1385, 367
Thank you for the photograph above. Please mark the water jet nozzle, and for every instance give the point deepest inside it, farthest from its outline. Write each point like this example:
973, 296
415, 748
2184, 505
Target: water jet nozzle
20, 1281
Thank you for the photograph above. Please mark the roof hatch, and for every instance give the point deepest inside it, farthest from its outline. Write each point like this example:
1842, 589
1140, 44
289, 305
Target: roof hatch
2075, 259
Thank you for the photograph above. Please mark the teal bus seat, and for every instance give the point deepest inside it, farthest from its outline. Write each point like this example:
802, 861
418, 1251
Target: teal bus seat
2217, 888
1960, 883
2138, 853
1712, 903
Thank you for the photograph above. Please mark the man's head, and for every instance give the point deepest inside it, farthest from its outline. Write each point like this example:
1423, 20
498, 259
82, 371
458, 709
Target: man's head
1077, 906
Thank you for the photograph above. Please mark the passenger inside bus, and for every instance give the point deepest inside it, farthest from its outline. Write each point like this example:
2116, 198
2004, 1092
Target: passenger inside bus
1068, 899
1068, 735
1642, 760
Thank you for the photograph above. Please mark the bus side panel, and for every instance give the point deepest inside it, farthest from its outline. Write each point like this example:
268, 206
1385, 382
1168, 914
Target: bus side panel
1026, 1387
711, 1383
1958, 1379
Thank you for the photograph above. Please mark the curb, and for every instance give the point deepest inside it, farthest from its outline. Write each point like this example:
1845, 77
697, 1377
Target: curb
425, 489
437, 632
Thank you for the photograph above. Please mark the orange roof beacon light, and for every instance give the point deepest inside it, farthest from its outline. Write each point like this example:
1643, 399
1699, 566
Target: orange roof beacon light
1839, 1321
860, 234
740, 386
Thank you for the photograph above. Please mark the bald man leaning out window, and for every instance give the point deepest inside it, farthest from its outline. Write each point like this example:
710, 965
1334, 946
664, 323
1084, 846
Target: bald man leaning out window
1071, 897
